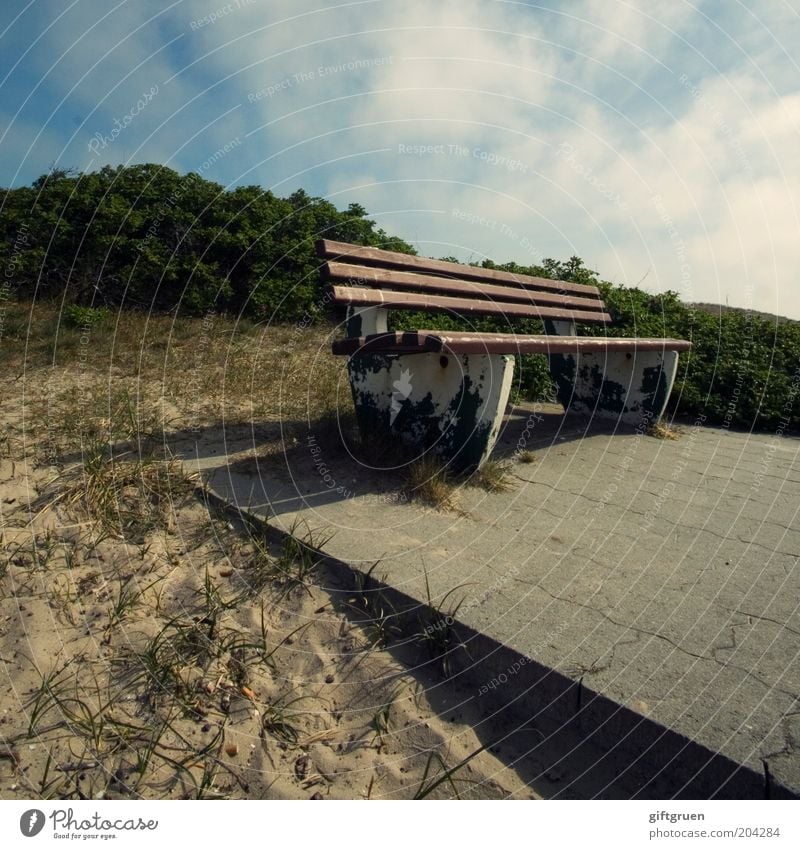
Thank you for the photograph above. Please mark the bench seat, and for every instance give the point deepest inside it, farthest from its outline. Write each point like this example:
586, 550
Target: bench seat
464, 342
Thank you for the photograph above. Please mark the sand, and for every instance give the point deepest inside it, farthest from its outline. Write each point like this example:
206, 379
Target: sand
154, 646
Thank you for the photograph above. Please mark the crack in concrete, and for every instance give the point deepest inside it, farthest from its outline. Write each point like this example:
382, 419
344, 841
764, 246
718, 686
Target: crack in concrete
732, 646
762, 618
723, 664
673, 525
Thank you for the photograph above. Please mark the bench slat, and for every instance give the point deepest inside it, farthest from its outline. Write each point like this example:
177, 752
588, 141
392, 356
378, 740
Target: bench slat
459, 306
328, 249
385, 278
419, 341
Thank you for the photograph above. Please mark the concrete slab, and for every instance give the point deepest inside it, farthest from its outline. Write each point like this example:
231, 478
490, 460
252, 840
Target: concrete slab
661, 575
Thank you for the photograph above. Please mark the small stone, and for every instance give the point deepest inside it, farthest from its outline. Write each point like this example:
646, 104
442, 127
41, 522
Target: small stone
317, 796
231, 750
329, 679
301, 767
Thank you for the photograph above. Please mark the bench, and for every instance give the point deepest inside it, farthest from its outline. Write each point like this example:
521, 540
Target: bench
446, 391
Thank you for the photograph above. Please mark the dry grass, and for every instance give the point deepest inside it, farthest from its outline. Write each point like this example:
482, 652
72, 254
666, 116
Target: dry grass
127, 498
210, 368
493, 476
662, 430
526, 457
428, 482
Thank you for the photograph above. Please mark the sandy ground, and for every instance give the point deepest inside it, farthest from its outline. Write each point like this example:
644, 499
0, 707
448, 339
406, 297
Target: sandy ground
154, 647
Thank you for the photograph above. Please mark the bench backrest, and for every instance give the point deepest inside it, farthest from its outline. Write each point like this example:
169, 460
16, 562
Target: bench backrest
371, 278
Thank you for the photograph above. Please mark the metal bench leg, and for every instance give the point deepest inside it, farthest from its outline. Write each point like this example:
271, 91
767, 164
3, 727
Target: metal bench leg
451, 406
630, 387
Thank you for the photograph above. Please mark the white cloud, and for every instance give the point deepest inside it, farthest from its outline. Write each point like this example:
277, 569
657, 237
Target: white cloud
646, 138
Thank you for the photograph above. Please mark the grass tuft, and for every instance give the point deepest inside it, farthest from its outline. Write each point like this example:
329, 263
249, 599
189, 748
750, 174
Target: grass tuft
493, 476
662, 430
126, 497
429, 482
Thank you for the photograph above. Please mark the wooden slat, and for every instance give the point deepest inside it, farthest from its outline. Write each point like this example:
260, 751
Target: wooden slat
385, 278
328, 249
460, 306
498, 343
410, 342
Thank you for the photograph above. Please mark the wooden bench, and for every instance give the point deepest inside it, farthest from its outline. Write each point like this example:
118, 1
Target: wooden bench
447, 391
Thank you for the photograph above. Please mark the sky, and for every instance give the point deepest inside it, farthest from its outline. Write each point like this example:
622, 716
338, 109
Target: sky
659, 141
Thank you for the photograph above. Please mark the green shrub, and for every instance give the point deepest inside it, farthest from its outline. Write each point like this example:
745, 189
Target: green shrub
80, 317
146, 237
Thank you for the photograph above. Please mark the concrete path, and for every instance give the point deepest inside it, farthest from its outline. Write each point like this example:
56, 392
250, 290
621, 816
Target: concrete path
662, 575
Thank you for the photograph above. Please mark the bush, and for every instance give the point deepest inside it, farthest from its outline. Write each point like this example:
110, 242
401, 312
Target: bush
80, 317
147, 237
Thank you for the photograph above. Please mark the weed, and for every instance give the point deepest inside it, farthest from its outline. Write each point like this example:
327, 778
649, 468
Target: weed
261, 648
382, 716
213, 604
446, 774
159, 662
527, 457
127, 498
437, 633
300, 558
492, 476
373, 602
428, 481
262, 568
382, 624
46, 786
363, 594
279, 721
662, 430
145, 753
128, 597
47, 696
43, 549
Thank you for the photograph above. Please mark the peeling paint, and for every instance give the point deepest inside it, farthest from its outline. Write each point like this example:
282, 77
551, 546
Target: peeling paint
625, 386
452, 406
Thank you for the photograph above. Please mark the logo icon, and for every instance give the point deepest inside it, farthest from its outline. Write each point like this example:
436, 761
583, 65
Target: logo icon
31, 822
402, 389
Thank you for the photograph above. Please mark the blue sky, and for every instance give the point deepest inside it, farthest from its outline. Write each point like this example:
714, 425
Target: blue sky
658, 141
